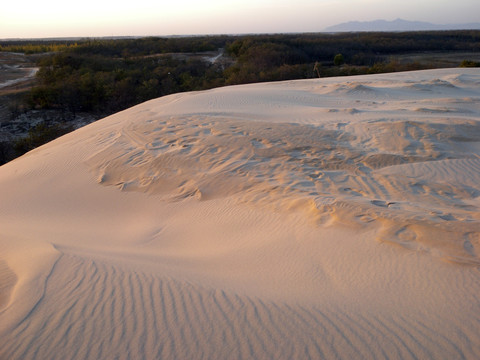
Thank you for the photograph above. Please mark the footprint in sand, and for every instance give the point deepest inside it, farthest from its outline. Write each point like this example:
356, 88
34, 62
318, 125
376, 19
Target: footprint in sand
382, 203
472, 240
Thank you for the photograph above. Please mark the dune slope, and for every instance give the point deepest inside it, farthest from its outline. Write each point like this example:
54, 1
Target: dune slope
327, 218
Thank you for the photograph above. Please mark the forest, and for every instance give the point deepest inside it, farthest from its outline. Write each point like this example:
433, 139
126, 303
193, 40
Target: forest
103, 76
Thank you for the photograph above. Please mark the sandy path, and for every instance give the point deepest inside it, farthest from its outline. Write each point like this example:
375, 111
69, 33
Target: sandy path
13, 70
27, 75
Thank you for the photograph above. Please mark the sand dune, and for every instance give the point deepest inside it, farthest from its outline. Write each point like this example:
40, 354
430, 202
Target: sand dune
327, 218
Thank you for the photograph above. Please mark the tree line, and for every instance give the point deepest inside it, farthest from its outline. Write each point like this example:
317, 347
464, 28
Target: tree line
103, 76
111, 75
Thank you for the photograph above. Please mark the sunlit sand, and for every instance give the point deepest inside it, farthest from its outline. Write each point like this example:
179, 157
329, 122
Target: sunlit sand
326, 218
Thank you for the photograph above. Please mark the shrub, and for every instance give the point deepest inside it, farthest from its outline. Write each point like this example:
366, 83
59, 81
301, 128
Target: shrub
39, 135
338, 60
469, 63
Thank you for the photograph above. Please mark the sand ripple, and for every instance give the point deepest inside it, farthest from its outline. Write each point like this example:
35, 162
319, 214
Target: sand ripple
8, 279
118, 312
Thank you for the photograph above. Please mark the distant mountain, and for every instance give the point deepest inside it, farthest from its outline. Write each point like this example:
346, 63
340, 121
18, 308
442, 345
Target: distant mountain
397, 25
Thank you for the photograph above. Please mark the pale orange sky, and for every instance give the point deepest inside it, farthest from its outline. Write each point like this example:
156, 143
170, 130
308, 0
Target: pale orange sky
55, 18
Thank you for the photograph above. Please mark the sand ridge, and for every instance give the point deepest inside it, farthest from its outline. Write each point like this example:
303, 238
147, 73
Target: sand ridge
325, 218
297, 164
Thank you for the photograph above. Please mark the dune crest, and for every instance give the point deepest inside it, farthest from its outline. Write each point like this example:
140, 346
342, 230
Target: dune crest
301, 165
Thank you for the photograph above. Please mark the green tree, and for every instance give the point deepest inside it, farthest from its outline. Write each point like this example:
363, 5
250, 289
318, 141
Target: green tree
39, 135
338, 60
469, 63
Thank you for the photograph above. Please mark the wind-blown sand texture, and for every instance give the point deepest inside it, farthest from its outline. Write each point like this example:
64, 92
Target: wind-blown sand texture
327, 218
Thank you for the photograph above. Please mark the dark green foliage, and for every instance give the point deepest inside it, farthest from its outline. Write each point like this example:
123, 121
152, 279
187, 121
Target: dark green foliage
127, 48
35, 48
104, 76
338, 60
39, 135
258, 58
103, 84
368, 45
7, 152
469, 63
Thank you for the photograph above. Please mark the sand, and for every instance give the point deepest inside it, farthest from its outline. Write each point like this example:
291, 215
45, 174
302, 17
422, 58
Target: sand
326, 218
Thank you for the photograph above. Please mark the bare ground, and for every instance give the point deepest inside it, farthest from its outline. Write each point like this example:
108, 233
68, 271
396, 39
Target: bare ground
17, 76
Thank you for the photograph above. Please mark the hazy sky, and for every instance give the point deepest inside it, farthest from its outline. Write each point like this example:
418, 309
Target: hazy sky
59, 18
